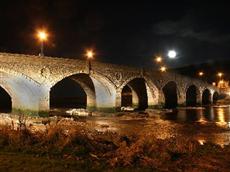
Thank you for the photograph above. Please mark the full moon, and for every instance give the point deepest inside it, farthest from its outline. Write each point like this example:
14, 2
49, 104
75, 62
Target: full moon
172, 54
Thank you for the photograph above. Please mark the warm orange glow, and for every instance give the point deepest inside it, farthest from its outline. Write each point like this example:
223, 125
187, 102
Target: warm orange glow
221, 81
42, 35
89, 54
158, 59
201, 73
163, 69
220, 74
201, 141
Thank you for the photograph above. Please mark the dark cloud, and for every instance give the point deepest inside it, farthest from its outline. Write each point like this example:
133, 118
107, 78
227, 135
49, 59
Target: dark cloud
185, 28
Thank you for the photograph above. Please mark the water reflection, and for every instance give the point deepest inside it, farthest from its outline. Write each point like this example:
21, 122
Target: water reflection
219, 115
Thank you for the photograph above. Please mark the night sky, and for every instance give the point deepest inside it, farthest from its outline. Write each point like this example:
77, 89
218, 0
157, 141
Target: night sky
122, 33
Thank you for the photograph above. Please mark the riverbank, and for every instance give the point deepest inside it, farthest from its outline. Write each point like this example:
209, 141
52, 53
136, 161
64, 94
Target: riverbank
128, 141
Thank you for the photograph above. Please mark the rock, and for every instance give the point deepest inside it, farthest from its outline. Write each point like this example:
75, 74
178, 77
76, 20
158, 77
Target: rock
128, 108
79, 112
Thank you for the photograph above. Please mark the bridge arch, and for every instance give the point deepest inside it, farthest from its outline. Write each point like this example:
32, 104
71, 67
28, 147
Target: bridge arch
192, 93
170, 94
76, 91
206, 97
138, 92
97, 91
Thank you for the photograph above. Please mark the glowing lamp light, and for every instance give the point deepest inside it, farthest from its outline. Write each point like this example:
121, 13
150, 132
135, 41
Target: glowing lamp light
172, 54
214, 84
158, 59
42, 35
89, 54
163, 69
201, 73
220, 74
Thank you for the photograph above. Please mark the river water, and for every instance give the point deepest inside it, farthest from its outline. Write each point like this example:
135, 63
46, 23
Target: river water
204, 124
213, 114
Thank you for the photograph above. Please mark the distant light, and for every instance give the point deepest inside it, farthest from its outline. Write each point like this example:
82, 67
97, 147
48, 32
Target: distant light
89, 54
201, 73
214, 84
220, 74
158, 59
163, 69
42, 35
172, 54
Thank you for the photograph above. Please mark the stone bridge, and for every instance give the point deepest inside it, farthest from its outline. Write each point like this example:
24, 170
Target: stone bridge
28, 83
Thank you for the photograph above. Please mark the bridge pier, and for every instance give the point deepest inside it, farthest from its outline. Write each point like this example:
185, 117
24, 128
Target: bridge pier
199, 98
105, 95
181, 99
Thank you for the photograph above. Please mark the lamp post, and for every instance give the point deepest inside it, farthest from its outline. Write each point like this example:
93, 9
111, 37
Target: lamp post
163, 69
201, 74
42, 36
89, 55
158, 59
220, 74
221, 81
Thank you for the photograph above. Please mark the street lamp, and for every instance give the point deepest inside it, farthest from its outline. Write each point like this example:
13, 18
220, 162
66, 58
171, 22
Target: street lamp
201, 74
42, 36
163, 69
158, 59
220, 74
89, 55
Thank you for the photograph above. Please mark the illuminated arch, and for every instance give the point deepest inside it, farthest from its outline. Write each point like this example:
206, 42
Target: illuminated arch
101, 94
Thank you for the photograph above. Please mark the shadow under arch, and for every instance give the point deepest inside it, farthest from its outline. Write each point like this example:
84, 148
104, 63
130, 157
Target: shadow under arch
95, 91
215, 97
191, 95
170, 95
206, 97
76, 91
135, 94
138, 92
5, 101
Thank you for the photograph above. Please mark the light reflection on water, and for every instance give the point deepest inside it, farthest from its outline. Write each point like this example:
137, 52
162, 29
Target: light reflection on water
219, 115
